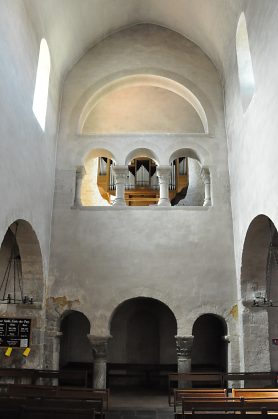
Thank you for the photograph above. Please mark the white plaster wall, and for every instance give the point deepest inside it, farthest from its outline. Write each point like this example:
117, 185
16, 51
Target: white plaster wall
27, 154
252, 137
102, 256
27, 166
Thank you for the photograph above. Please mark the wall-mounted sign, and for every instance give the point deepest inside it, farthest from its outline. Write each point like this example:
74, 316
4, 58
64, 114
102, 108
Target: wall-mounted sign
15, 333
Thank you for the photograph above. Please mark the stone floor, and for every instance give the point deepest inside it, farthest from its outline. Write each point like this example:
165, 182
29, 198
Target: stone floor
139, 403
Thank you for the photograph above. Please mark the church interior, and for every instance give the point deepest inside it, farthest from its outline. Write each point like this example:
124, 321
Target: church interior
138, 217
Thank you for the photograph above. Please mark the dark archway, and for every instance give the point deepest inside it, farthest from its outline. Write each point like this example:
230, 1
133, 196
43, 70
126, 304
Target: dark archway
75, 349
209, 352
143, 344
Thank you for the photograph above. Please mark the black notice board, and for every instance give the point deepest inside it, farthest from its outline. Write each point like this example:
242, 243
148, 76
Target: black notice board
15, 333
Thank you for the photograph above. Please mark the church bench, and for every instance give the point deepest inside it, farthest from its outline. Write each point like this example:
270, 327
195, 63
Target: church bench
15, 404
181, 394
38, 412
78, 377
255, 393
227, 405
147, 374
84, 394
210, 379
100, 397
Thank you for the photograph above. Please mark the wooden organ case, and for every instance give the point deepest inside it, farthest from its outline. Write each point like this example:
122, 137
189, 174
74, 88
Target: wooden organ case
142, 185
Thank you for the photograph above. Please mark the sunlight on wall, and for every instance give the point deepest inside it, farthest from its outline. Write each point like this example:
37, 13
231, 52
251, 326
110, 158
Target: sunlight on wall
244, 61
42, 83
90, 194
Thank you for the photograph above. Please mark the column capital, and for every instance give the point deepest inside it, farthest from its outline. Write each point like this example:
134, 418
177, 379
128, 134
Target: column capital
184, 346
120, 172
205, 175
163, 174
99, 345
163, 171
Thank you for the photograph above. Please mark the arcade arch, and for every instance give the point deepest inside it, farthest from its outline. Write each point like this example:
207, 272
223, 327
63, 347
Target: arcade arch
143, 331
259, 283
209, 351
75, 347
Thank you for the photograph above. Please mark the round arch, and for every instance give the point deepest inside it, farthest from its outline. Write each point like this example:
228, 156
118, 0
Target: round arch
141, 152
259, 282
98, 164
29, 256
144, 80
143, 331
75, 347
209, 350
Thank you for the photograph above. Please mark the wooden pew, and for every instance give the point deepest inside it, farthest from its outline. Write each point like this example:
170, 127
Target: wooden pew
211, 408
210, 379
182, 394
98, 398
216, 406
268, 378
85, 393
255, 393
32, 376
30, 412
32, 391
13, 403
76, 377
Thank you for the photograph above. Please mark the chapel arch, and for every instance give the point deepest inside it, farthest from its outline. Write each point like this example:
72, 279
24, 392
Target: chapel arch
259, 289
75, 348
143, 334
209, 351
21, 259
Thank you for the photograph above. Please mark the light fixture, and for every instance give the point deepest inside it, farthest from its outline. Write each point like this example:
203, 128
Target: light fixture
261, 299
11, 287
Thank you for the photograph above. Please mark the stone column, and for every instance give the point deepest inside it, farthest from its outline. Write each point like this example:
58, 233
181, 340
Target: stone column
120, 173
99, 347
163, 174
184, 352
80, 172
205, 175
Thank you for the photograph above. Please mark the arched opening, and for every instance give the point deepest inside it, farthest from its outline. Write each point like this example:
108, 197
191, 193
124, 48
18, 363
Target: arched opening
98, 183
209, 351
142, 187
22, 290
259, 291
75, 349
186, 179
244, 62
143, 349
143, 103
21, 260
42, 83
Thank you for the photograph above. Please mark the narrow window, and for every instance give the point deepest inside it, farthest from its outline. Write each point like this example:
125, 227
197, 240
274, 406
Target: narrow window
41, 86
244, 62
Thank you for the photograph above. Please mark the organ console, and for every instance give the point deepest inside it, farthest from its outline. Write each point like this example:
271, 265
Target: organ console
142, 187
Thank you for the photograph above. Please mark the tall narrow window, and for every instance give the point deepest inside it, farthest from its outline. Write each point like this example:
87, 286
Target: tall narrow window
244, 62
41, 86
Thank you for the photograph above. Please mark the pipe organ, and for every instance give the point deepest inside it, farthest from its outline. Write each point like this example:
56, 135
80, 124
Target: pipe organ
142, 186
